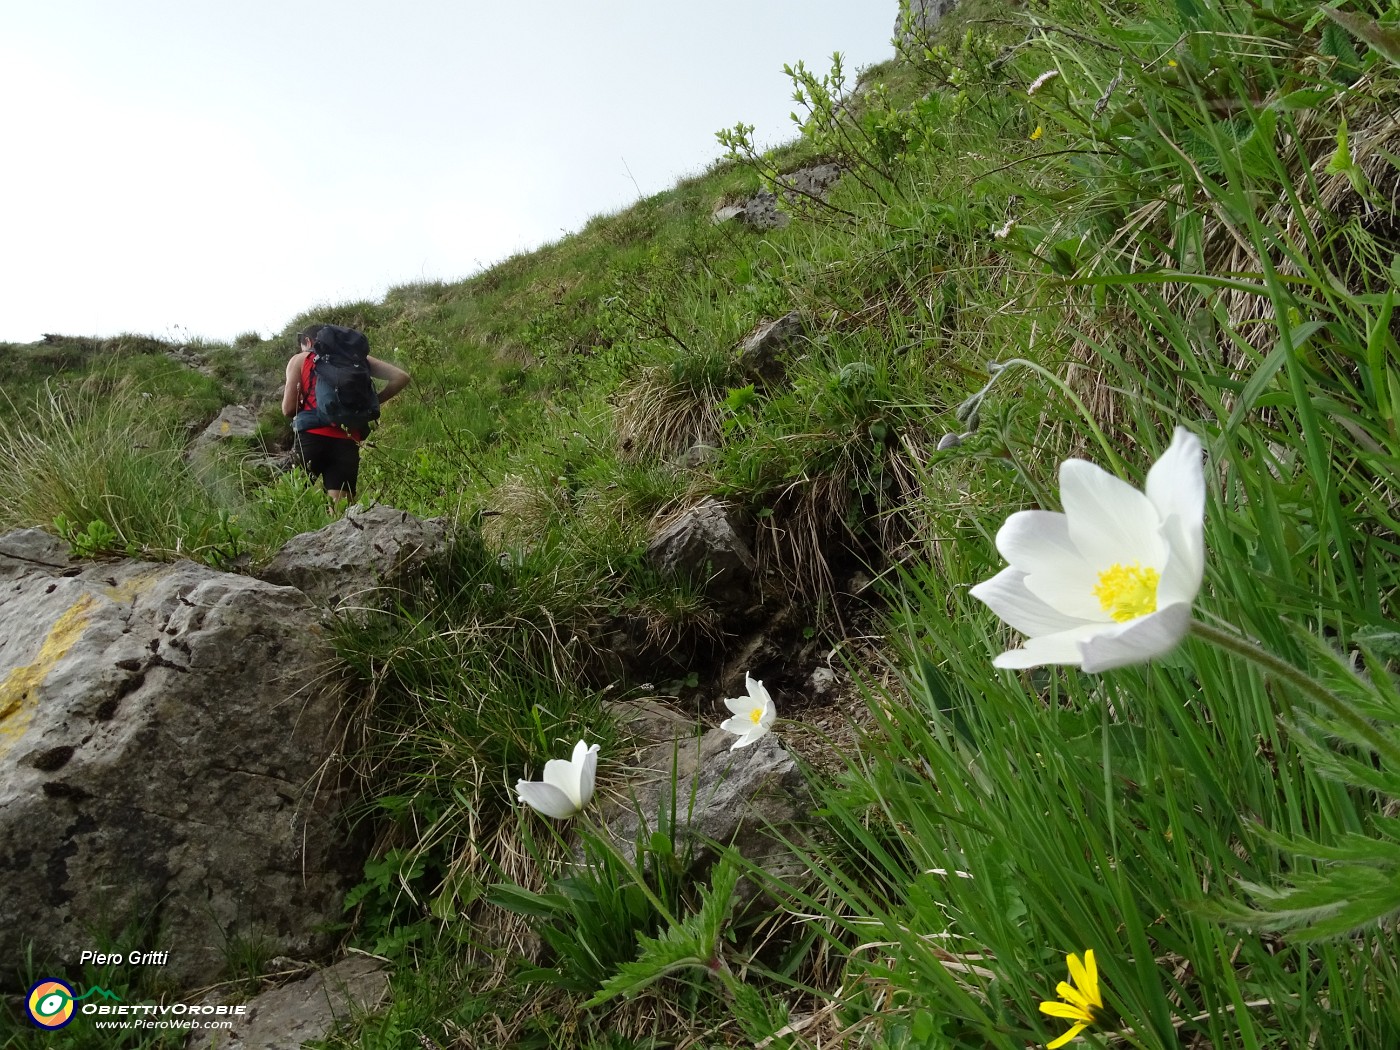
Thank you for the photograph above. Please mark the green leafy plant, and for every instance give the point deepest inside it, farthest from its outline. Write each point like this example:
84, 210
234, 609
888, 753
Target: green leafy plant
98, 538
687, 943
592, 917
388, 914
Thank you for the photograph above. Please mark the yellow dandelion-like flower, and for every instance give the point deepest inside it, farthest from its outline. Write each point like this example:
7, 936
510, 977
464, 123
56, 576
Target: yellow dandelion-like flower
1039, 131
1082, 999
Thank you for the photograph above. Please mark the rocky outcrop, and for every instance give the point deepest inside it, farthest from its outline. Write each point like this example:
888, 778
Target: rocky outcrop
797, 188
233, 421
284, 1018
183, 355
747, 798
342, 564
917, 18
704, 545
759, 212
762, 351
809, 183
235, 426
168, 762
31, 547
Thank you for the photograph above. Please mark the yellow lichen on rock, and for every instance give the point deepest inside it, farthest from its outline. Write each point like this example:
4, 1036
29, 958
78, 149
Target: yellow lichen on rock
128, 589
19, 692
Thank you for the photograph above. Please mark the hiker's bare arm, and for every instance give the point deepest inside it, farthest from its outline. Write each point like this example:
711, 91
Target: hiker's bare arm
291, 390
395, 378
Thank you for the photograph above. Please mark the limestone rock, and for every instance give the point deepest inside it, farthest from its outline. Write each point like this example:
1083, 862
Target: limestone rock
822, 681
183, 355
917, 18
704, 544
29, 548
234, 421
340, 565
652, 721
797, 189
761, 351
809, 183
284, 1018
168, 742
760, 212
733, 797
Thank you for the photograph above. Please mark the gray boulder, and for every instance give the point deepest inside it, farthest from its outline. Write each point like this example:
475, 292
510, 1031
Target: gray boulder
234, 421
917, 19
30, 548
168, 761
762, 351
233, 424
735, 798
286, 1017
797, 189
808, 184
341, 565
704, 544
761, 212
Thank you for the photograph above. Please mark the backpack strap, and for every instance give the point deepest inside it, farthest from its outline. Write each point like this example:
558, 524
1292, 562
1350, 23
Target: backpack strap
307, 417
304, 388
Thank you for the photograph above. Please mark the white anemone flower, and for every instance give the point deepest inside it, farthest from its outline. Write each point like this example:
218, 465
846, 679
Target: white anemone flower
1110, 581
754, 714
567, 785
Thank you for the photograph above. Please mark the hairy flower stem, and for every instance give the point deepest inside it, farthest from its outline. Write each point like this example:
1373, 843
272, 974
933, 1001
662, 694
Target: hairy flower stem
1284, 671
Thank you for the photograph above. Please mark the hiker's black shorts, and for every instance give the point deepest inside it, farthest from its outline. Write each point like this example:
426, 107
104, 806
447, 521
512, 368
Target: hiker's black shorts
335, 460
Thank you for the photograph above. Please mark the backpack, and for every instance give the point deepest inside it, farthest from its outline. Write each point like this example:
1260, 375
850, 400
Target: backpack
341, 392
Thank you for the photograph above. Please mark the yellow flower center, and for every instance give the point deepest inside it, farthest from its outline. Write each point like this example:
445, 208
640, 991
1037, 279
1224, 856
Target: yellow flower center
1128, 591
756, 715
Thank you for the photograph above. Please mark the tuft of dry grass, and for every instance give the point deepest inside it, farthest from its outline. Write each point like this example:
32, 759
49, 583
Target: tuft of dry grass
657, 418
520, 512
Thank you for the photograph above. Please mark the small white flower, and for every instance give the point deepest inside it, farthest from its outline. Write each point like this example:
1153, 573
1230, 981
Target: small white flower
1110, 581
1005, 230
754, 714
1040, 81
567, 786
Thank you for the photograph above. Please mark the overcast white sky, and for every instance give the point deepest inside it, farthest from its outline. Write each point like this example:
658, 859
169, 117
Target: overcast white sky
191, 168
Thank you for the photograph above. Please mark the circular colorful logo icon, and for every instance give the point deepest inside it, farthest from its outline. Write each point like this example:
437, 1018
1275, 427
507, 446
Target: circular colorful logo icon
50, 1003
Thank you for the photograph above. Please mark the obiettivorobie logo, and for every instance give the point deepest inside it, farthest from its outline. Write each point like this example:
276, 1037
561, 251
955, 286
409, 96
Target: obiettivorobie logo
51, 1002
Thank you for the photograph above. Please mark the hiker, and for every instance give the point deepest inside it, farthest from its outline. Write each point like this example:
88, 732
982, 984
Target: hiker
331, 451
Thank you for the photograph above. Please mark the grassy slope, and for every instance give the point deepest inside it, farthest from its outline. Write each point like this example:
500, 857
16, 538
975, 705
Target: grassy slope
557, 389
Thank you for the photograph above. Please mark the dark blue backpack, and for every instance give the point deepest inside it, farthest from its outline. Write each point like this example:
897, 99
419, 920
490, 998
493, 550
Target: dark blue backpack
341, 392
